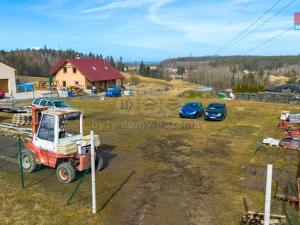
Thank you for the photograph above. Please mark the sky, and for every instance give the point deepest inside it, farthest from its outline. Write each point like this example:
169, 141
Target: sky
150, 30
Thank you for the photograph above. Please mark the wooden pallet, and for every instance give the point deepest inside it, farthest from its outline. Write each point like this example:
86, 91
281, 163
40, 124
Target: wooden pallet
257, 218
22, 119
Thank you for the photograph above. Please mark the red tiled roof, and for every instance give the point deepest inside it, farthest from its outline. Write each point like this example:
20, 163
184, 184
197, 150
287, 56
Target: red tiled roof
92, 69
297, 18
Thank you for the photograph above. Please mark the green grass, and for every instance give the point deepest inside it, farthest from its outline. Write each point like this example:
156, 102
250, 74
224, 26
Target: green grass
162, 169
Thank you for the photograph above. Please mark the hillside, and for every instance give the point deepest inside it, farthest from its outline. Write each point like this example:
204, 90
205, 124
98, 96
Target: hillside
252, 63
232, 71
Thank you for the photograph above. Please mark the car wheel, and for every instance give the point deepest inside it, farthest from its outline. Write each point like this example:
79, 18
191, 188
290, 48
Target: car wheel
28, 161
65, 173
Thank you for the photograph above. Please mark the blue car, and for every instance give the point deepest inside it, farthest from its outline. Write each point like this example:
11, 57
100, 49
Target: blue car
191, 110
216, 111
114, 91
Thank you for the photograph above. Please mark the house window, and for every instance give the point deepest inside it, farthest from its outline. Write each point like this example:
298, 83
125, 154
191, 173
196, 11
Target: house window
74, 70
76, 83
64, 84
65, 70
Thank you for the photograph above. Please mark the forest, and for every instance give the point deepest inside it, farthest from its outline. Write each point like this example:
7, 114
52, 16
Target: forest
238, 72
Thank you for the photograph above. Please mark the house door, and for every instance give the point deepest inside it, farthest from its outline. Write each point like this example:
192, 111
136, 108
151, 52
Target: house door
4, 85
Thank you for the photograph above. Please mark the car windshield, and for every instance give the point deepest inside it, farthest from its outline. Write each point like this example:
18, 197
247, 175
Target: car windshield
191, 106
214, 107
60, 104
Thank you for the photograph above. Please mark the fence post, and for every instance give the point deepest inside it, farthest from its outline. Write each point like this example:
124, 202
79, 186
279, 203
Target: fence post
20, 161
268, 195
93, 172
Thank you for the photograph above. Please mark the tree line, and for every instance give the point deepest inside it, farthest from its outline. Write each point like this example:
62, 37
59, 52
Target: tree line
31, 62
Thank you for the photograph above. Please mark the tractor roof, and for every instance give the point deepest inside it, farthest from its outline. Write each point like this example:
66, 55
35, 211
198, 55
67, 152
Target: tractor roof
59, 112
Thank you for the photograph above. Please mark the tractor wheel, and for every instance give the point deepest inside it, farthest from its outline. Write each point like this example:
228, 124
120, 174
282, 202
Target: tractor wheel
98, 162
28, 161
65, 173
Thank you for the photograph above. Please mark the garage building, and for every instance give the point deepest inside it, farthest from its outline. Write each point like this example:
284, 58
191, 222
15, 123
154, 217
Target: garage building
7, 78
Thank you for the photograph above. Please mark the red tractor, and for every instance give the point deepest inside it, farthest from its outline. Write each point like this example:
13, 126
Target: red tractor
58, 142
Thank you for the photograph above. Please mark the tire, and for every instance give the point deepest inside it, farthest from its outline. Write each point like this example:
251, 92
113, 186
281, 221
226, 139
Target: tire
98, 162
65, 173
28, 161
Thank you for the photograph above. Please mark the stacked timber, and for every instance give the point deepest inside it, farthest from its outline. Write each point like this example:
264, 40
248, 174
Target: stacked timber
256, 218
87, 140
22, 119
67, 149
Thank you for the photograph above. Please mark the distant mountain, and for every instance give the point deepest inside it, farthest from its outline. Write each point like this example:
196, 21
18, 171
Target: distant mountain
37, 62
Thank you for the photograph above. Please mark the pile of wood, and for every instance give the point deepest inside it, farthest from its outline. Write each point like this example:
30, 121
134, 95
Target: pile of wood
12, 130
67, 149
87, 140
256, 218
22, 118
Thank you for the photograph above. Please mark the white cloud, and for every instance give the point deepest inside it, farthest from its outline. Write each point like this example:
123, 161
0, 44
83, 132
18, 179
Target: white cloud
117, 5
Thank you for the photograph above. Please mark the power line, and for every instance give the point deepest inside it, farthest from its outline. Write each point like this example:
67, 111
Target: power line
264, 22
239, 13
251, 25
269, 40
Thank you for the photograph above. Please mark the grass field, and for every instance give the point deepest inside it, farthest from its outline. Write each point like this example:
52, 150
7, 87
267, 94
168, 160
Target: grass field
161, 169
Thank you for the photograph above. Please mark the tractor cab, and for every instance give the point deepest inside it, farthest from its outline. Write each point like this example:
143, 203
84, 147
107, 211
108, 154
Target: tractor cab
58, 127
58, 142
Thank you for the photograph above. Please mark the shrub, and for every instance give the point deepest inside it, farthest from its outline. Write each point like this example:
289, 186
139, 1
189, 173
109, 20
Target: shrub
191, 94
135, 80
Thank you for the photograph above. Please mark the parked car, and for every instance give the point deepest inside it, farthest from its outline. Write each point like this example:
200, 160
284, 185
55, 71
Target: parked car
191, 110
114, 91
216, 111
2, 94
52, 103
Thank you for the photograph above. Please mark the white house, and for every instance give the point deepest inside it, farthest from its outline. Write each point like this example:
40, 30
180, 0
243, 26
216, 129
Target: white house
7, 78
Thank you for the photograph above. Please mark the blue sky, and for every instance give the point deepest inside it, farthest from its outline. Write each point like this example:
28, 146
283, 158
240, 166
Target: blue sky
148, 30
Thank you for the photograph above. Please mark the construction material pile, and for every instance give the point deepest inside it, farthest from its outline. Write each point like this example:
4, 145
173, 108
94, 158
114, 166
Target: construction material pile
291, 137
13, 130
23, 118
86, 140
71, 147
67, 149
256, 218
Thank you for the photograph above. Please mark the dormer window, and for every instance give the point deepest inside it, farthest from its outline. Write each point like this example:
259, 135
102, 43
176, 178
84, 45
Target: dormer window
65, 70
74, 70
105, 67
94, 68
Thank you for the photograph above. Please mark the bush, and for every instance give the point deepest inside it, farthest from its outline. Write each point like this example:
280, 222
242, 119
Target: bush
135, 80
248, 89
191, 94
